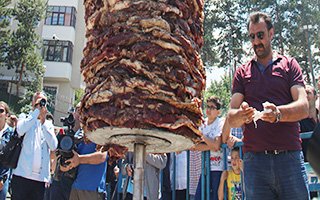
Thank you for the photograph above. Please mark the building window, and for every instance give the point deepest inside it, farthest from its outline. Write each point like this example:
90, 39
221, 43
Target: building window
51, 92
61, 15
57, 51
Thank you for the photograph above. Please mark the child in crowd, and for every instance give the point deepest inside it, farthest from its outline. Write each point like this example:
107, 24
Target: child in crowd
212, 129
233, 178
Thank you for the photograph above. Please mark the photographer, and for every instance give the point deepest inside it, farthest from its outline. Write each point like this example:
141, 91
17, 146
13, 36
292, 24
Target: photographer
90, 182
33, 170
90, 163
63, 179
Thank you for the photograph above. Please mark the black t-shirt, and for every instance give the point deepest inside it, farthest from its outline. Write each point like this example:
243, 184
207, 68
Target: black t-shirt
307, 124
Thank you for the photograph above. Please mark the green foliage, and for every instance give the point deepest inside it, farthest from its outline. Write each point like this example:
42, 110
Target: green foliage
222, 90
78, 96
228, 45
22, 48
208, 52
5, 14
289, 18
224, 34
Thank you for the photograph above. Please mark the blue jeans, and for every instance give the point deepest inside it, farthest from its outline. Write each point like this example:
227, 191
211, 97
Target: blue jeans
214, 185
3, 192
281, 176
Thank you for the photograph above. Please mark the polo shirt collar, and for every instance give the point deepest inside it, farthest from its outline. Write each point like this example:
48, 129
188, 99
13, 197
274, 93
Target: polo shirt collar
275, 56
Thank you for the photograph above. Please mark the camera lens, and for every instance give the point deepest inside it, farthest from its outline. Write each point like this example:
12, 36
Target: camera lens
66, 143
43, 102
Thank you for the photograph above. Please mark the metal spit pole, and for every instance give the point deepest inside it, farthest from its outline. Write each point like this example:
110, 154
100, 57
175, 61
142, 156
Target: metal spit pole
138, 180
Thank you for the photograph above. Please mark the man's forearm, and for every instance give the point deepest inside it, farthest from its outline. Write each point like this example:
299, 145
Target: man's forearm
93, 158
234, 119
202, 147
294, 111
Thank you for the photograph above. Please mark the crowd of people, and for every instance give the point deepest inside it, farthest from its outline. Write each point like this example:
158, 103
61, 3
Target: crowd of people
267, 119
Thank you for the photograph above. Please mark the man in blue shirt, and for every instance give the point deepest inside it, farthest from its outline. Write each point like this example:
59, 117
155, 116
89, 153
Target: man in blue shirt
91, 176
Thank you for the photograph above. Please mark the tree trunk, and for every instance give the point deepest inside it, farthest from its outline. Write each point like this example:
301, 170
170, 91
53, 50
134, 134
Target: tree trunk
20, 79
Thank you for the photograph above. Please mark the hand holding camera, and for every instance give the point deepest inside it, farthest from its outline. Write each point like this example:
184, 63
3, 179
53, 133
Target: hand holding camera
41, 105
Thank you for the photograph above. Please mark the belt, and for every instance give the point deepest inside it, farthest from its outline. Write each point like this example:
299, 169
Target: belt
275, 152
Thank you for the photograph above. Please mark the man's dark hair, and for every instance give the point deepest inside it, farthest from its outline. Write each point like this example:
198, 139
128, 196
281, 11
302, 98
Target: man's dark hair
257, 16
215, 100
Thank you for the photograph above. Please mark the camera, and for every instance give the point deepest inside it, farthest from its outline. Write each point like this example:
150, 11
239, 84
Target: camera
55, 37
68, 121
67, 141
43, 102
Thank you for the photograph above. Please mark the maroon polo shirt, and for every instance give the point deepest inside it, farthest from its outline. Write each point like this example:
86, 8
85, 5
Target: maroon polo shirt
272, 85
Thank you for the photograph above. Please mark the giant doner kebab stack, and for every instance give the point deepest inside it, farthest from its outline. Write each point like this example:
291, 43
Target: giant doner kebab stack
142, 65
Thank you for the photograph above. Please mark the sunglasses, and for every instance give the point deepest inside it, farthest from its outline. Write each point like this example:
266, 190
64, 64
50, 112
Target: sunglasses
2, 110
211, 107
259, 35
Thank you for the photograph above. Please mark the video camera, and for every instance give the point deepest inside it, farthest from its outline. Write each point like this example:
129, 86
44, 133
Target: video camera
67, 141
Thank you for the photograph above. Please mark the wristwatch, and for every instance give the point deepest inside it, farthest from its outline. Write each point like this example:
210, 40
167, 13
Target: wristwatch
278, 115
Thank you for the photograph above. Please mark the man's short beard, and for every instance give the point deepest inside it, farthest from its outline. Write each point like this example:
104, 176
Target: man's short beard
266, 52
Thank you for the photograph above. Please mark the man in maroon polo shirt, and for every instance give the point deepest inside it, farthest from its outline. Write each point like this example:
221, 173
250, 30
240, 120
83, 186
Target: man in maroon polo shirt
273, 161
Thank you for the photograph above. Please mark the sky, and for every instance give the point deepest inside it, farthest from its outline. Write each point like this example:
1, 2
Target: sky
214, 75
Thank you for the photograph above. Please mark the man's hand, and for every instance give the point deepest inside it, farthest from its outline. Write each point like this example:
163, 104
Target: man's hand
116, 171
42, 109
65, 169
74, 161
269, 116
129, 170
232, 140
14, 120
246, 112
213, 144
1, 185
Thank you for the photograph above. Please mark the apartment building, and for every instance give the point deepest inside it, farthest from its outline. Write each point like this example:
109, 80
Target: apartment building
63, 34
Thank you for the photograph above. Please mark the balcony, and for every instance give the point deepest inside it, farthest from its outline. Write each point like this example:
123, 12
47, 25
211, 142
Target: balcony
58, 71
62, 32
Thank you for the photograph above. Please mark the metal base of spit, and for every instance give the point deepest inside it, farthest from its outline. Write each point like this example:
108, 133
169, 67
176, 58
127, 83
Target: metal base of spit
141, 141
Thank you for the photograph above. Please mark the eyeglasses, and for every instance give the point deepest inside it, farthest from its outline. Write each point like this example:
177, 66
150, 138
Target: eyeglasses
259, 35
211, 107
1, 110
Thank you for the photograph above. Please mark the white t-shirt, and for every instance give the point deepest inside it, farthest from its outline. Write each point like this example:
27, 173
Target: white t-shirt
211, 131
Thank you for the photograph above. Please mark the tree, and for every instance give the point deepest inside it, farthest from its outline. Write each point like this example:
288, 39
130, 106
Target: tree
5, 14
222, 90
226, 20
209, 54
289, 17
78, 96
23, 55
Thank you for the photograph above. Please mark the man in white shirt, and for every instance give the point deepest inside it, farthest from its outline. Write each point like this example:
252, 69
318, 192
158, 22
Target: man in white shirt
33, 170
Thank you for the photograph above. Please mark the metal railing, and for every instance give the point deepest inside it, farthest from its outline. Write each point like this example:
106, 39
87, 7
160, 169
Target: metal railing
314, 184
